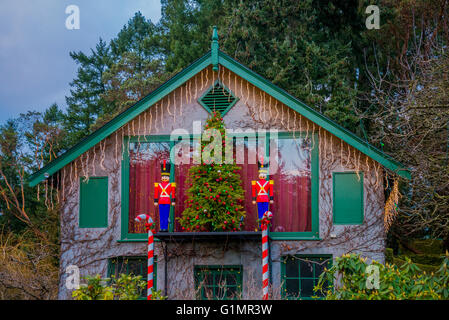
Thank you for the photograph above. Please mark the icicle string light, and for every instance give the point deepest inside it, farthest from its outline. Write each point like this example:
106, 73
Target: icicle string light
271, 110
307, 131
196, 87
277, 111
93, 160
116, 147
145, 126
349, 155
313, 135
341, 153
46, 193
63, 183
190, 91
357, 170
103, 154
202, 81
180, 100
51, 194
162, 116
377, 174
332, 149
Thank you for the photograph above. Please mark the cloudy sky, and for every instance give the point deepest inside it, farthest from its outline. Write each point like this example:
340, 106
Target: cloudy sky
35, 66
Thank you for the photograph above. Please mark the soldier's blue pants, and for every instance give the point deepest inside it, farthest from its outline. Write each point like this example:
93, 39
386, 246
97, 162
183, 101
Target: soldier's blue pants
262, 207
164, 212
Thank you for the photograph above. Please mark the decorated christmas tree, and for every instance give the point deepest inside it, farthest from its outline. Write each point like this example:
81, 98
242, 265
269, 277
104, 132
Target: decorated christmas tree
215, 197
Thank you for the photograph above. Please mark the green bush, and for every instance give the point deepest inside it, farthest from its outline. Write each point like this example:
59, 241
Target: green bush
124, 287
406, 281
430, 246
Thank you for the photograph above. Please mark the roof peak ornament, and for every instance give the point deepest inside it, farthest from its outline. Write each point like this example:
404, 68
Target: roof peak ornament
214, 48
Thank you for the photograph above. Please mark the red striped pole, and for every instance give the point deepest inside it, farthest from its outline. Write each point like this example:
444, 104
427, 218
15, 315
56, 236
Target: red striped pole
265, 222
149, 227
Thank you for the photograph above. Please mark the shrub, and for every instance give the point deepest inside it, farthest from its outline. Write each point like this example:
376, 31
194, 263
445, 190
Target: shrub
124, 287
406, 281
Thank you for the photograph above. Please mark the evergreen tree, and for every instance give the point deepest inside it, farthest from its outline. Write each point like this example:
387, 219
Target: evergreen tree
308, 48
186, 28
84, 104
215, 197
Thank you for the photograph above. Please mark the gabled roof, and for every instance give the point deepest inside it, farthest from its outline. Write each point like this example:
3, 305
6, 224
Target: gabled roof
217, 57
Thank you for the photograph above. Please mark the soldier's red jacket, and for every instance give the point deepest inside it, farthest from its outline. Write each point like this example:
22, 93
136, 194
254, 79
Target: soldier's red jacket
262, 190
163, 191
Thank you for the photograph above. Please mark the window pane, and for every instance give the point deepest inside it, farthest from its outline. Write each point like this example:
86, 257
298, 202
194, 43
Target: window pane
306, 268
181, 175
144, 170
231, 293
307, 287
292, 185
245, 157
291, 268
320, 265
292, 287
218, 283
323, 292
134, 267
231, 280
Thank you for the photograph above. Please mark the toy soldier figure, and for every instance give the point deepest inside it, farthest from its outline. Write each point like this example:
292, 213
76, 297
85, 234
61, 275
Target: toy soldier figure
162, 193
262, 190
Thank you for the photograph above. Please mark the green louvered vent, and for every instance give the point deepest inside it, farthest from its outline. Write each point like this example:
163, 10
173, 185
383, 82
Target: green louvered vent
218, 98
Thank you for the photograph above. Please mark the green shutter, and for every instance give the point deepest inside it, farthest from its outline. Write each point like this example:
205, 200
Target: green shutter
348, 198
94, 203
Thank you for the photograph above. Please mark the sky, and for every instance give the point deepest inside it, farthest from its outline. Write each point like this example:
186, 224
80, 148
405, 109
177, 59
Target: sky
35, 65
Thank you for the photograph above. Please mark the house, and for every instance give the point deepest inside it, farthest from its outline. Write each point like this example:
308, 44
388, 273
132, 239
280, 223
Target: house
328, 190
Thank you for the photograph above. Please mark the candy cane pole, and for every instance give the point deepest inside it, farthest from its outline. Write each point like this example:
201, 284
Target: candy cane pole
265, 222
148, 226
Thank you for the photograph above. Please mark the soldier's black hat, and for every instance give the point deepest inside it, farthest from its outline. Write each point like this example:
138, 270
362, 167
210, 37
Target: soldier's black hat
165, 168
263, 166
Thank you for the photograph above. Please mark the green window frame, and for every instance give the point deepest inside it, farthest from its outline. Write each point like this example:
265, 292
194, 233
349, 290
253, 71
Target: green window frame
139, 237
314, 233
93, 203
217, 279
126, 236
302, 269
348, 202
127, 263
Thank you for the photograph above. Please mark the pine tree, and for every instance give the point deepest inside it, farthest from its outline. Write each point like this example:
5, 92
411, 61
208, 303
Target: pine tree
215, 197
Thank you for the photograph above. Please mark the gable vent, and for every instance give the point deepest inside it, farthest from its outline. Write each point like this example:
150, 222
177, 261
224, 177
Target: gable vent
218, 98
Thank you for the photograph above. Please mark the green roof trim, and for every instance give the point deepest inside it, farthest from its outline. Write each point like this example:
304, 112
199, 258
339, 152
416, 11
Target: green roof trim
242, 71
120, 120
314, 116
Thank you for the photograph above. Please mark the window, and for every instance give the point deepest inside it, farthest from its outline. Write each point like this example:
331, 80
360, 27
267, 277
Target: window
141, 169
300, 274
348, 198
295, 175
133, 265
218, 282
93, 210
292, 175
